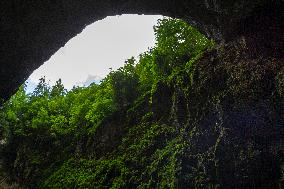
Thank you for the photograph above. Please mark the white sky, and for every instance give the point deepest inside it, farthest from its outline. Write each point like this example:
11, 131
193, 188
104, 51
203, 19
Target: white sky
102, 45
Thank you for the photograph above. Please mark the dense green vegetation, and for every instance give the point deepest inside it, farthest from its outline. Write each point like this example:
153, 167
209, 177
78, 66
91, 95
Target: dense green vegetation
157, 122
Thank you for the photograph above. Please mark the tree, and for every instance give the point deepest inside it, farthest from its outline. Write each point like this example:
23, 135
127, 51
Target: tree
58, 89
42, 89
124, 82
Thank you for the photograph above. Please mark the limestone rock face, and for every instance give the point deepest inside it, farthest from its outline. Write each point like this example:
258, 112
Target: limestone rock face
32, 31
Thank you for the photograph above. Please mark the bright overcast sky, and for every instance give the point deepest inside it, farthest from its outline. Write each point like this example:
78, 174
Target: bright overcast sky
102, 45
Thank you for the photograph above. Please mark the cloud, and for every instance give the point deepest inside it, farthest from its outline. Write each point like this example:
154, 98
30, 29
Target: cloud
90, 79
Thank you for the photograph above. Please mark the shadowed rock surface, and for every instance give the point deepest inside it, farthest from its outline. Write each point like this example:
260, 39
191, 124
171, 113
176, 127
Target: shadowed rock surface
32, 31
224, 120
216, 124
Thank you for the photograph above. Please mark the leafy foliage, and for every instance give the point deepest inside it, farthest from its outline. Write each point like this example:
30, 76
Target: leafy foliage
48, 131
157, 122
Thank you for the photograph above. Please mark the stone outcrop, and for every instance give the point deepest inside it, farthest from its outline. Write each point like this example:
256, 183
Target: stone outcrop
32, 31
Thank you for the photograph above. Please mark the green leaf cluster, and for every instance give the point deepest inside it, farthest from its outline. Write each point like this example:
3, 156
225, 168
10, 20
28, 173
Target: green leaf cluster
108, 135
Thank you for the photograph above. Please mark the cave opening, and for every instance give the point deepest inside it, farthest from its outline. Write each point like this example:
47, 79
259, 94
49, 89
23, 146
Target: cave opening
209, 118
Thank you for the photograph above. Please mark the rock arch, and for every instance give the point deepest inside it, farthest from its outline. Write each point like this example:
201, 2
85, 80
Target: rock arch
31, 31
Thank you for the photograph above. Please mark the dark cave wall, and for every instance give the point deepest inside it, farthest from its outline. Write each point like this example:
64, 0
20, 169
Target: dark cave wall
32, 31
234, 112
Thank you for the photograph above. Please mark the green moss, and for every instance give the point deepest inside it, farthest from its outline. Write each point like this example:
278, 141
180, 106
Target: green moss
183, 117
85, 173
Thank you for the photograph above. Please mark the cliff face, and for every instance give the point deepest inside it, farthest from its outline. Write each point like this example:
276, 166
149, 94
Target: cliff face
216, 124
32, 31
235, 125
